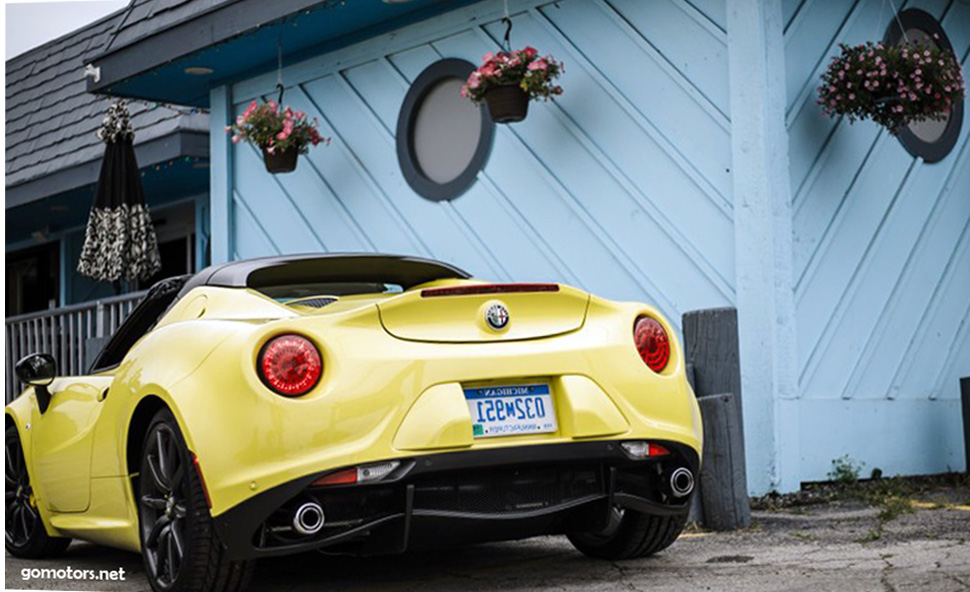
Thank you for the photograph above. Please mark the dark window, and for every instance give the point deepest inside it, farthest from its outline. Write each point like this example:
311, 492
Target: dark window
33, 278
930, 140
178, 258
443, 140
141, 320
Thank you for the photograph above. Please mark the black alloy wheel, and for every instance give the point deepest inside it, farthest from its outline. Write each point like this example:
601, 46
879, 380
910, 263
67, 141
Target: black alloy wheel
25, 533
162, 505
178, 542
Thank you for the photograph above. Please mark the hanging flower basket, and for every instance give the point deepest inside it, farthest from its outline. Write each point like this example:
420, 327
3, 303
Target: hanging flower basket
281, 133
893, 85
507, 81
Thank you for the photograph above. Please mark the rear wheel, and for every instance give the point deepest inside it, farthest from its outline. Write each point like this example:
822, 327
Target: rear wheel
25, 534
630, 535
178, 541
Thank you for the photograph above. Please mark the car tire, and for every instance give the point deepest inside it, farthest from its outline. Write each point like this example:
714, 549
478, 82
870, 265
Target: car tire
178, 540
630, 535
25, 534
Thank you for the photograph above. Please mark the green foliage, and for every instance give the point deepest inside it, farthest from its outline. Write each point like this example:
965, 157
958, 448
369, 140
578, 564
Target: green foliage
893, 507
845, 470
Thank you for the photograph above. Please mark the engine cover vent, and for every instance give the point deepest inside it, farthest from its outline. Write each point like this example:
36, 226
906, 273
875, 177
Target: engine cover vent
318, 302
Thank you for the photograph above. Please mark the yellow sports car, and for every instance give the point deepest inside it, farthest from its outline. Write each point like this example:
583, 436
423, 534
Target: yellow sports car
354, 403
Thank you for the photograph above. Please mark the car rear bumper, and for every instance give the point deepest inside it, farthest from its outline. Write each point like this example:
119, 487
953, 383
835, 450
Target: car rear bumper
462, 497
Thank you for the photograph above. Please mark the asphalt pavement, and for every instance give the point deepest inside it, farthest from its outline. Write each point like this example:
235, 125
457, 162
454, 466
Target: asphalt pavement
842, 546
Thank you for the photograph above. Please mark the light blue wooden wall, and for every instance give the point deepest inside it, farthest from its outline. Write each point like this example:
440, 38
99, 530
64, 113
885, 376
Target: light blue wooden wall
881, 264
622, 186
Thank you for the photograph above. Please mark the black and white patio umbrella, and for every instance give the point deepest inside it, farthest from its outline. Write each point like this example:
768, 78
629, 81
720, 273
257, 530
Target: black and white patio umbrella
119, 243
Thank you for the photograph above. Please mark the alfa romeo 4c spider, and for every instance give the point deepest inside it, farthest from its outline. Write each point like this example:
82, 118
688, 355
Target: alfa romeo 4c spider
357, 403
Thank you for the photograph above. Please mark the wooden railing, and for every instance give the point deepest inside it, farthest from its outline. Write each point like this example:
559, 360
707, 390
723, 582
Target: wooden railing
63, 333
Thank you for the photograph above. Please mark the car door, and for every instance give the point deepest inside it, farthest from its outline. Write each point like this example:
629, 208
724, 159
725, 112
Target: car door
63, 436
62, 439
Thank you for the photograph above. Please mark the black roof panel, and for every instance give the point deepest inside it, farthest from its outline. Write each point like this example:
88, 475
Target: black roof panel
402, 270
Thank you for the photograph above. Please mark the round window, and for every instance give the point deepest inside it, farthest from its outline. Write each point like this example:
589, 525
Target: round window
930, 139
443, 140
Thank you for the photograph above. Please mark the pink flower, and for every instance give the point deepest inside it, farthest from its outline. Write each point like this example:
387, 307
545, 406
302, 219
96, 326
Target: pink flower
300, 114
488, 57
530, 52
236, 139
539, 64
282, 135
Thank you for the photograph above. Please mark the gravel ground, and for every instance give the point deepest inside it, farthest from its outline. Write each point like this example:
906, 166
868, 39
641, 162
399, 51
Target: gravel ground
842, 546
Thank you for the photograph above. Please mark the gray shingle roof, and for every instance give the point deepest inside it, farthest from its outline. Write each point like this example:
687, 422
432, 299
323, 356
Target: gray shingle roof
51, 119
146, 17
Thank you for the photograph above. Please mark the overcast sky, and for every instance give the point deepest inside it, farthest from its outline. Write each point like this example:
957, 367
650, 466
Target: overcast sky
30, 24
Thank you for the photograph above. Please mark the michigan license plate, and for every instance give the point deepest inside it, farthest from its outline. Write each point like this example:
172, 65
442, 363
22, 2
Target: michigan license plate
511, 410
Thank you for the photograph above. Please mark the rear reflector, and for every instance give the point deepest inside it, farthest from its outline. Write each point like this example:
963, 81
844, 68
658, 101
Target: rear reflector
344, 477
361, 474
198, 470
641, 449
478, 289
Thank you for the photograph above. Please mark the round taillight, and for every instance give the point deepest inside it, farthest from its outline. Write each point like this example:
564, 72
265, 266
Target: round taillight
290, 365
652, 343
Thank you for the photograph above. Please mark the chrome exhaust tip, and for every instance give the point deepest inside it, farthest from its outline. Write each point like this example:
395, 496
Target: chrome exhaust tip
681, 482
308, 518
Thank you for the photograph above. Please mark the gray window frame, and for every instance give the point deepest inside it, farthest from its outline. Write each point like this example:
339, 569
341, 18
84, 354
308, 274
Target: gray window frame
415, 177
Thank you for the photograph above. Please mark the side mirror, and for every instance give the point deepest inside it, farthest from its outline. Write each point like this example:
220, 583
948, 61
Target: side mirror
38, 370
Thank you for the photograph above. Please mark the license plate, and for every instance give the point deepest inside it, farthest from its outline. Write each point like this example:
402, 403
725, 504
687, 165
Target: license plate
511, 410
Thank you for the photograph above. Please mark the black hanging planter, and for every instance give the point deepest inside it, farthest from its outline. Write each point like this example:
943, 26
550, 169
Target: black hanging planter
282, 161
507, 103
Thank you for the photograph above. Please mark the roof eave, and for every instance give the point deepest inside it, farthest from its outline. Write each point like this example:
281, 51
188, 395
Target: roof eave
178, 144
187, 37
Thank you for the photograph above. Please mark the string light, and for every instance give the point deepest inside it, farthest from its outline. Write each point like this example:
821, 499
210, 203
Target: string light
153, 105
161, 166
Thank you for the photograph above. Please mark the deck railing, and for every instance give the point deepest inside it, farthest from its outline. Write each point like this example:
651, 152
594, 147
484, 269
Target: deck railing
63, 333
